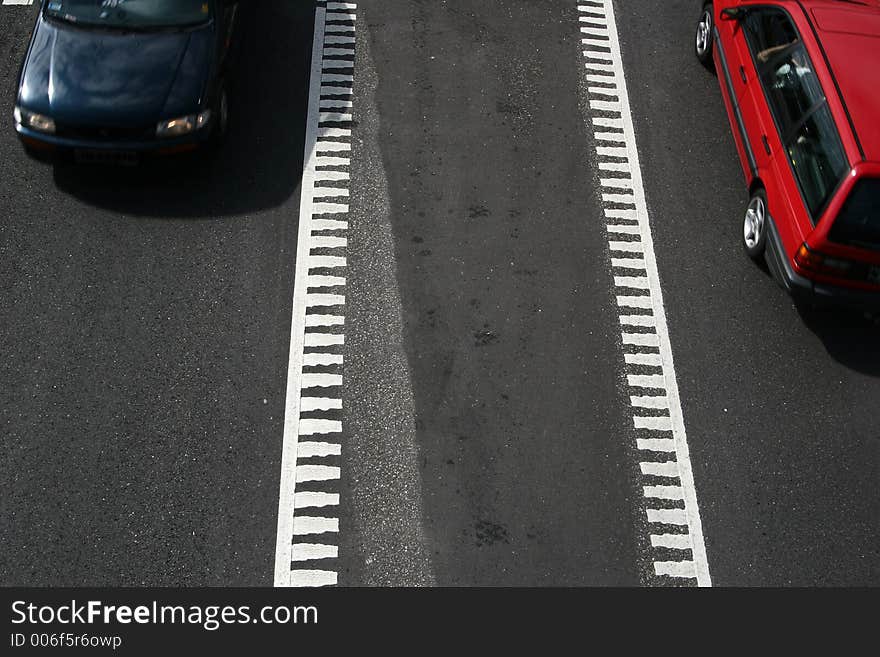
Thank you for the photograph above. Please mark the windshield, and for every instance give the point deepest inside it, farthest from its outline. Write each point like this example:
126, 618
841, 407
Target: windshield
858, 223
131, 14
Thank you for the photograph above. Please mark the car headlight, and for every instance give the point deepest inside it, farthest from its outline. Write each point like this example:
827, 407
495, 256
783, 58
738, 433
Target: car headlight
183, 125
33, 120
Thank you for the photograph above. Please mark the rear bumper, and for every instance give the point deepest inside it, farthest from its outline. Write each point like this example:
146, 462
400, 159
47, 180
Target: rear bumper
49, 143
805, 291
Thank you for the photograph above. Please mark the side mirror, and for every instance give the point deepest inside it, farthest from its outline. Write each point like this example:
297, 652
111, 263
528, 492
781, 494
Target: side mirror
734, 13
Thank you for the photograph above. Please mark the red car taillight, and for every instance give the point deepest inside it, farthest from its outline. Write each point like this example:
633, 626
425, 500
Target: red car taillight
819, 263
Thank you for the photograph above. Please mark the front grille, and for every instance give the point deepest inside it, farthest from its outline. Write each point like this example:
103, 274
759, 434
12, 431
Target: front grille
106, 133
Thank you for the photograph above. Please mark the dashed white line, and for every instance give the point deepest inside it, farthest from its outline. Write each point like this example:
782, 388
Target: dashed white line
312, 425
657, 416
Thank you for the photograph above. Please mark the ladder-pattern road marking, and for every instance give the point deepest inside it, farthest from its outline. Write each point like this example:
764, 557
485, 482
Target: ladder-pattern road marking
307, 546
670, 501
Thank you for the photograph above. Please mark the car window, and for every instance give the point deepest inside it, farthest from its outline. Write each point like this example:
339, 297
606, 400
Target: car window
768, 32
131, 14
858, 223
817, 158
792, 88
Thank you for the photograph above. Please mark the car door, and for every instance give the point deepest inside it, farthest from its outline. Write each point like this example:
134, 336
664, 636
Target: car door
798, 153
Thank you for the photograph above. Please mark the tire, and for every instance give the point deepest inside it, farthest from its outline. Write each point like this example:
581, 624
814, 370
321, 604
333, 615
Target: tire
703, 40
220, 130
755, 226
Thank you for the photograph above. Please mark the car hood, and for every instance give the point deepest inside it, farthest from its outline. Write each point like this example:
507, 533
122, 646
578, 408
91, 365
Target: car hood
87, 76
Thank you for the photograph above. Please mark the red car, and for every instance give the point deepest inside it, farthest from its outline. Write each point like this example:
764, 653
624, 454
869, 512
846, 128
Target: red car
801, 83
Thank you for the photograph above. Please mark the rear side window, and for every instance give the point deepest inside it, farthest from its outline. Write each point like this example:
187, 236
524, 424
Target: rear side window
817, 158
858, 223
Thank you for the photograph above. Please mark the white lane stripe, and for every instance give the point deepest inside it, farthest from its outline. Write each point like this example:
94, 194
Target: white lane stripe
324, 320
634, 302
316, 280
295, 380
626, 247
686, 569
324, 339
659, 468
646, 380
327, 241
656, 444
700, 564
305, 525
616, 183
320, 380
667, 516
315, 360
323, 141
331, 161
635, 282
622, 229
334, 117
664, 492
619, 213
308, 449
329, 224
672, 541
643, 359
642, 339
615, 137
637, 320
314, 500
332, 146
312, 578
306, 473
617, 198
628, 263
18, 2
325, 262
318, 300
660, 423
649, 401
319, 403
317, 426
330, 208
311, 551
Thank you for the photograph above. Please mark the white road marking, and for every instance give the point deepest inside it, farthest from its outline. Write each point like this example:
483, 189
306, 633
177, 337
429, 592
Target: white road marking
611, 116
18, 2
312, 428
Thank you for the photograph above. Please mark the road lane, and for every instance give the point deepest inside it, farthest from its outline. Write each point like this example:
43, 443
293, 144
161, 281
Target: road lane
779, 407
145, 328
511, 398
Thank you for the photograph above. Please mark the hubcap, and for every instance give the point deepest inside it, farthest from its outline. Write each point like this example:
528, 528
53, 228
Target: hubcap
704, 30
753, 226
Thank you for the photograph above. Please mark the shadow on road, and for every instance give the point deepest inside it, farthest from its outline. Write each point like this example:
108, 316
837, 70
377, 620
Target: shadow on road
258, 167
850, 338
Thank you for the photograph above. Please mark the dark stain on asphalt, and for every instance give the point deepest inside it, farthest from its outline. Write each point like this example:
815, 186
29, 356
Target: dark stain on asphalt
490, 533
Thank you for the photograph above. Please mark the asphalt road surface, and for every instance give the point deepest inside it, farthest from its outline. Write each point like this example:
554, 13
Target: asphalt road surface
487, 433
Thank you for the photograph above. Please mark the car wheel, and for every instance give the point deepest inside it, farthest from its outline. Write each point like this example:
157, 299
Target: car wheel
755, 225
704, 38
221, 124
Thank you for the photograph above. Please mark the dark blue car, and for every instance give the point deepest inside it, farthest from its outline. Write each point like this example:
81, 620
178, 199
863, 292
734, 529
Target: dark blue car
111, 79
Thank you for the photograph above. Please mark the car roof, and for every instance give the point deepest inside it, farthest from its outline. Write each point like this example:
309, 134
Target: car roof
849, 31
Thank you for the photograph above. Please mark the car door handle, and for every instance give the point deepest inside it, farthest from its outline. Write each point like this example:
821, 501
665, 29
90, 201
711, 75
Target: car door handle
766, 144
742, 73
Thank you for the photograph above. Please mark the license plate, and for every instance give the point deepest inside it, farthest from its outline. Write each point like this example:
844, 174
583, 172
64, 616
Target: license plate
874, 275
123, 158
